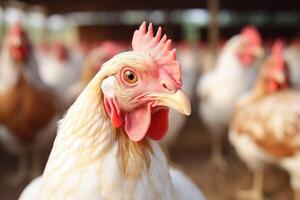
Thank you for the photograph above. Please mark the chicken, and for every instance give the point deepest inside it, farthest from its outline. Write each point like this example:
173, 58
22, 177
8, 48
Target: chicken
188, 58
92, 64
42, 50
27, 107
219, 89
292, 57
265, 128
106, 144
59, 69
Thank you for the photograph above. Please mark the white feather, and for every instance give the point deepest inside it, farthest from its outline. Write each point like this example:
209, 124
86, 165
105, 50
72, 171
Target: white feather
108, 86
184, 187
219, 89
59, 75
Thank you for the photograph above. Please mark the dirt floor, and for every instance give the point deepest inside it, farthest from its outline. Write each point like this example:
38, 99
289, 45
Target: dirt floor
191, 153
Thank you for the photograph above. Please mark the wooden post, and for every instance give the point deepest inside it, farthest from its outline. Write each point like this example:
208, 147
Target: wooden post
2, 23
213, 32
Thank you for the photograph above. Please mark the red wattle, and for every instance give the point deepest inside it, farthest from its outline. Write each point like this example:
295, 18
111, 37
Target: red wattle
272, 86
111, 110
159, 124
137, 122
245, 59
140, 122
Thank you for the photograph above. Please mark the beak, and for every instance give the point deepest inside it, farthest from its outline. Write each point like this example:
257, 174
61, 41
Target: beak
280, 78
17, 41
178, 101
258, 51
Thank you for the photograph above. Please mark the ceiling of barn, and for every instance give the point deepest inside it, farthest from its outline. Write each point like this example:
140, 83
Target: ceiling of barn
65, 6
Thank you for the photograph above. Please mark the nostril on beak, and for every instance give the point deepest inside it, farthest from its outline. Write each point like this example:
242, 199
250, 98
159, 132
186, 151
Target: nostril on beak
167, 87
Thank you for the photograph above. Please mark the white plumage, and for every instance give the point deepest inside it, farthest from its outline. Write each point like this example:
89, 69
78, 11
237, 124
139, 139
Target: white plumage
60, 73
219, 89
84, 163
93, 159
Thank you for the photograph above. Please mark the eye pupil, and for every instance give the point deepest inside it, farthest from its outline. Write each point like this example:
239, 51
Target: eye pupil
130, 76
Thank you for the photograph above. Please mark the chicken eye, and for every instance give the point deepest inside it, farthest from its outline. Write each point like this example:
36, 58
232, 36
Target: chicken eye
130, 77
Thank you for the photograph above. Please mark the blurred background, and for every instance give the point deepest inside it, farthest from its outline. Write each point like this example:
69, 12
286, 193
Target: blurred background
70, 39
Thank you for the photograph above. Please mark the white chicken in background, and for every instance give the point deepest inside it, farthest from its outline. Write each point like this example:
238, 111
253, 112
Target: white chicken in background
265, 127
187, 56
59, 69
218, 90
42, 51
93, 61
292, 57
106, 144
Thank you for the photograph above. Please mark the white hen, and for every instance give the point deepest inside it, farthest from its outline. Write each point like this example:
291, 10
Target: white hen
218, 90
105, 147
60, 69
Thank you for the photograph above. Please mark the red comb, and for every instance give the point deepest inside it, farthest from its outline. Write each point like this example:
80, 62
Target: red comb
159, 48
111, 48
277, 53
251, 33
17, 28
296, 42
60, 51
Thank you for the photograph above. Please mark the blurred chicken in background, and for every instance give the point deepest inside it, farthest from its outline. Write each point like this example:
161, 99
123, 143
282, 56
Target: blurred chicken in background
92, 64
219, 89
42, 50
59, 68
265, 126
28, 108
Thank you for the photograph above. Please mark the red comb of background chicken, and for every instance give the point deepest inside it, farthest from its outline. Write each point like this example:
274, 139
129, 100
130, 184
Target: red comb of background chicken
277, 53
111, 48
60, 51
18, 42
252, 34
279, 65
159, 48
16, 29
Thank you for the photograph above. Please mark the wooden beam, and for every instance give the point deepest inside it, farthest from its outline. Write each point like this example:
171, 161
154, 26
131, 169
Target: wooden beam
213, 32
66, 6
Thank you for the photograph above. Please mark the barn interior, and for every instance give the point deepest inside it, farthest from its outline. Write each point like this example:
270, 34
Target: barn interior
204, 27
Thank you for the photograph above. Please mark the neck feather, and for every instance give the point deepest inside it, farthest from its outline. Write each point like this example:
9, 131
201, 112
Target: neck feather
86, 136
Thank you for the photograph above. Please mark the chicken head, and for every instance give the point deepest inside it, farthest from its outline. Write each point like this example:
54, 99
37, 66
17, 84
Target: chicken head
145, 82
277, 72
18, 42
60, 51
250, 46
